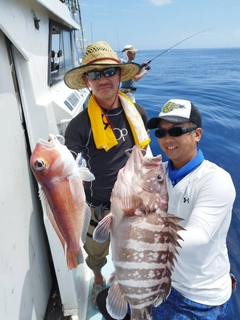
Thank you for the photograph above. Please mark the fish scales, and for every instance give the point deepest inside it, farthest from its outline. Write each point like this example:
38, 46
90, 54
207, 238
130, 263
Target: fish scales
144, 238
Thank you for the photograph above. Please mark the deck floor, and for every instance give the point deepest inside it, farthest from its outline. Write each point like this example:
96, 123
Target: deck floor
54, 308
93, 314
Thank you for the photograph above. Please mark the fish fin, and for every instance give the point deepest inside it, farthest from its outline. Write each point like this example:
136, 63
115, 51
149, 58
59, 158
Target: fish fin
74, 258
116, 303
86, 221
50, 216
174, 237
173, 223
112, 277
130, 204
80, 161
60, 138
101, 232
86, 174
164, 295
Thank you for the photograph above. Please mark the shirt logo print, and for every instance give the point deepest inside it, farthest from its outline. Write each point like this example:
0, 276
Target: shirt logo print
186, 200
120, 133
106, 124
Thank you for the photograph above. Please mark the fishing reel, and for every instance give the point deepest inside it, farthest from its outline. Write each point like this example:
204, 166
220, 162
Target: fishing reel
145, 66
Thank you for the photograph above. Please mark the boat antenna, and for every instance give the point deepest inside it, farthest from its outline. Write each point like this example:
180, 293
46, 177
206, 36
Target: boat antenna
193, 35
117, 39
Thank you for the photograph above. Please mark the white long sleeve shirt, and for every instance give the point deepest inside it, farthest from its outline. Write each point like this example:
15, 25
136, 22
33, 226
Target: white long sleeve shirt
204, 199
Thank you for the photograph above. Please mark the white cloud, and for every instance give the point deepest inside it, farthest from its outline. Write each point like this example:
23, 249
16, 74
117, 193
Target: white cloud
160, 2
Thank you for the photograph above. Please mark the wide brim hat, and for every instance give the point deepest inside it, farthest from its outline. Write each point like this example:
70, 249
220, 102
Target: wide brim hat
99, 55
129, 47
177, 111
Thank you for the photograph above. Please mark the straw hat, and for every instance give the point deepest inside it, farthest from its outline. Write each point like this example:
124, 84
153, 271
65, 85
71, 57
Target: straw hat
129, 47
99, 55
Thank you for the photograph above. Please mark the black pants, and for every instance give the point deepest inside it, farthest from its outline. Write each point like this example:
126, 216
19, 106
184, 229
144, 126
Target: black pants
101, 302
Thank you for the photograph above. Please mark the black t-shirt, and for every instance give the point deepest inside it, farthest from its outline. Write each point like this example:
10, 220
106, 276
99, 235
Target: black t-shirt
103, 164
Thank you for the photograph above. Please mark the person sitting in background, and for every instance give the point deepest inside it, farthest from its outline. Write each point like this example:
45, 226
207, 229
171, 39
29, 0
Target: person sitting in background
202, 194
103, 132
128, 87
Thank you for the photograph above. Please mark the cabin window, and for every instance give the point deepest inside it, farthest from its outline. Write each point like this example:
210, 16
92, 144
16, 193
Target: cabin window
60, 53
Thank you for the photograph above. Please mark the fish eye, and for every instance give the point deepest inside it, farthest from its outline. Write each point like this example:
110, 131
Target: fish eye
39, 165
160, 178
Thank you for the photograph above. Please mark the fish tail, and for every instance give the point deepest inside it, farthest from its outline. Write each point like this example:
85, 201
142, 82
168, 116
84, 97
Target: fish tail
74, 258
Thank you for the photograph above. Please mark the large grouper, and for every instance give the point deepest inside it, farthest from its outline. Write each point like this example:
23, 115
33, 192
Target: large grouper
61, 178
144, 238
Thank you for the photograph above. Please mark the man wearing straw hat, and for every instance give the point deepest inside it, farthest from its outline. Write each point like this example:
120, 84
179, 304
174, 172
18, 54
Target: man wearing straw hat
103, 133
128, 87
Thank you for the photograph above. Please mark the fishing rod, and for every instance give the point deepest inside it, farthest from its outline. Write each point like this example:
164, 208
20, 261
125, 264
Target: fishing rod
193, 35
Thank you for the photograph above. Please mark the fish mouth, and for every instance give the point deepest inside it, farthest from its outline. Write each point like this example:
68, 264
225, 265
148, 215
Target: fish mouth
135, 158
52, 141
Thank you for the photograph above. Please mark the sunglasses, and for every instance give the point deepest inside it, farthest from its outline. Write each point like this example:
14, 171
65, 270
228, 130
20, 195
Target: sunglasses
96, 75
173, 132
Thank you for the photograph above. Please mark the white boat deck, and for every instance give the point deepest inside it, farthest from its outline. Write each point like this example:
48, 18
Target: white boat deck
93, 314
54, 309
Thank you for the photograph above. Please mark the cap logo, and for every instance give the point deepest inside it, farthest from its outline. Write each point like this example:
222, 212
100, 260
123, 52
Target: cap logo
169, 106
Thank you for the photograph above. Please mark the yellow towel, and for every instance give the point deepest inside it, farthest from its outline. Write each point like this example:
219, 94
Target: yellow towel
105, 139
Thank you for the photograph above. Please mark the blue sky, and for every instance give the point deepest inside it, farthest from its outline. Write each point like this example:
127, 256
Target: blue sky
160, 24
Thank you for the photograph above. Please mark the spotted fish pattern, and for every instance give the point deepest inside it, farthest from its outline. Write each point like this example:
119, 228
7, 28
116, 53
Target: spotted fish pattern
144, 238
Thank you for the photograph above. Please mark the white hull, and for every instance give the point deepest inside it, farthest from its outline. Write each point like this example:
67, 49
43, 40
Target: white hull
31, 109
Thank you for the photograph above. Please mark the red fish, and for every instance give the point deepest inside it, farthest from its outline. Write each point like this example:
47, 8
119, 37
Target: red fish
144, 238
62, 192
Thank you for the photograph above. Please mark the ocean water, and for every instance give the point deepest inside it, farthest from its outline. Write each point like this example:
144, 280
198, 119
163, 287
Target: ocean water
210, 78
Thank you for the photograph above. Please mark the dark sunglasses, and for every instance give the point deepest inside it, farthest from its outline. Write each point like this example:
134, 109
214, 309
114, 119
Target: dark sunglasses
96, 75
173, 132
